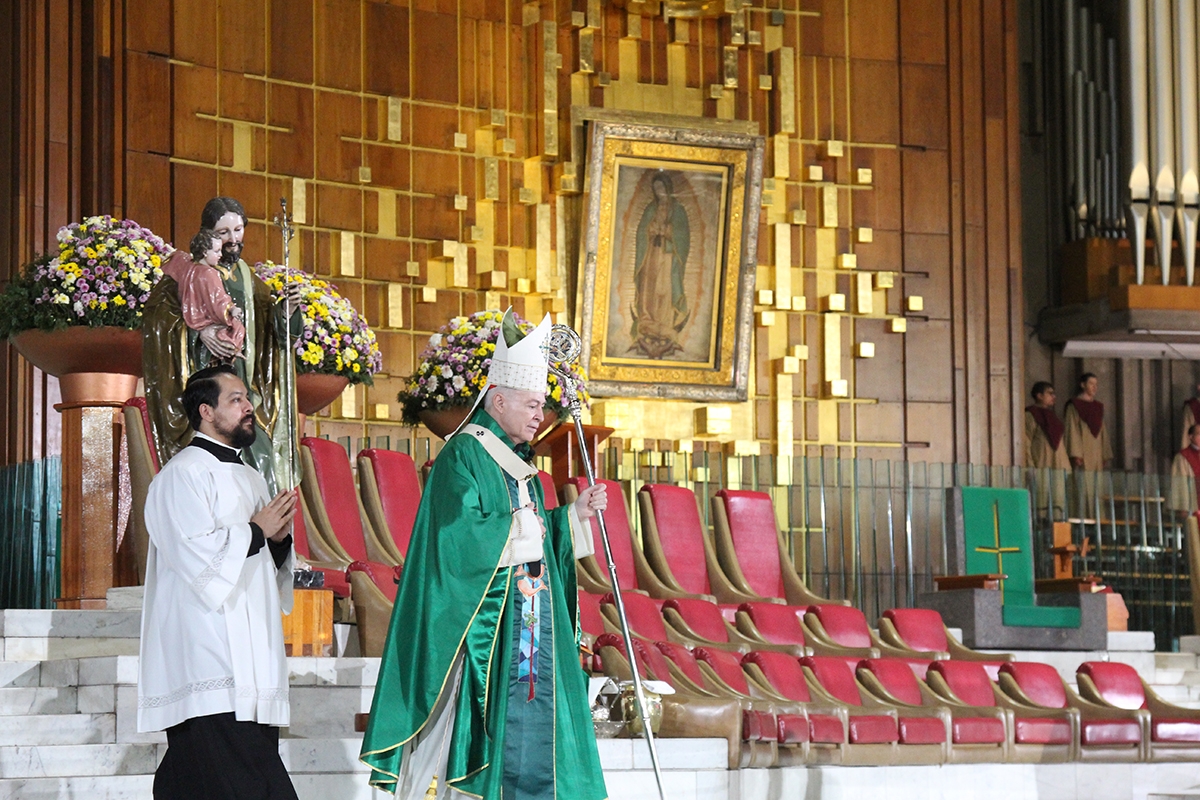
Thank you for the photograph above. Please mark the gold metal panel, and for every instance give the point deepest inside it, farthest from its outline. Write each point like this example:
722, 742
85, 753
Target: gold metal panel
459, 277
833, 346
382, 411
885, 280
633, 26
865, 176
444, 248
545, 255
387, 213
435, 275
737, 27
587, 50
531, 14
826, 249
243, 146
496, 279
866, 235
299, 201
864, 293
829, 207
754, 38
834, 302
595, 17
395, 300
491, 178
816, 172
364, 174
839, 388
460, 140
412, 269
475, 233
866, 349
491, 299
785, 74
578, 19
799, 216
765, 297
915, 302
681, 31
827, 421
785, 433
524, 286
782, 155
800, 352
799, 302
730, 67
550, 131
346, 253
350, 402
395, 128
527, 196
498, 118
899, 325
460, 202
428, 294
766, 318
506, 146
847, 261
716, 91
834, 148
789, 365
783, 265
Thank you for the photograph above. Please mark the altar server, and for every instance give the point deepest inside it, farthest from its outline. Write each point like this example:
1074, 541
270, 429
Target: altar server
213, 672
480, 691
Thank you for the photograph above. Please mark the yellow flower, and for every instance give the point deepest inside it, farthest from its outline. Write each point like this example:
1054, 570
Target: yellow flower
119, 300
357, 367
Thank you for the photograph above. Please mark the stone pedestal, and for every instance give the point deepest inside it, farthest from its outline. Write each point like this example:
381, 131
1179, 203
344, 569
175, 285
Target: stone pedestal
978, 613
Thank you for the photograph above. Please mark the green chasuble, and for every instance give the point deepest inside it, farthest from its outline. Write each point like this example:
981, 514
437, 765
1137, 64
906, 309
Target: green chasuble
506, 743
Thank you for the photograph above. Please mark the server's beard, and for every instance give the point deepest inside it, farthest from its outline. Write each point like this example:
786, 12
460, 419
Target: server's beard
231, 253
241, 435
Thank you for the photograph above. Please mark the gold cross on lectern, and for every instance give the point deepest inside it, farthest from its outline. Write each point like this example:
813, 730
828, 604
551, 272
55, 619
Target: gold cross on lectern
998, 551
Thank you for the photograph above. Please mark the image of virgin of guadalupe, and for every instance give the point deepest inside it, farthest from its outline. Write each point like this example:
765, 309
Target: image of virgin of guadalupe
660, 310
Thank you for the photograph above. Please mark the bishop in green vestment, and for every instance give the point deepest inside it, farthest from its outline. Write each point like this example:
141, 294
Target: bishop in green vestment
480, 692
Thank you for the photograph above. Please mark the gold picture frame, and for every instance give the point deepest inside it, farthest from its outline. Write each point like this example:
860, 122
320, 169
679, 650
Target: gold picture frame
668, 260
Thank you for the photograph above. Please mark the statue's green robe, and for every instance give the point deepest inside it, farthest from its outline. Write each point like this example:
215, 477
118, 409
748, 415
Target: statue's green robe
171, 352
454, 597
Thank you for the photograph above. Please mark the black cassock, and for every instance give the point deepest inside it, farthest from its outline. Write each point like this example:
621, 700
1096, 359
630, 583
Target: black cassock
218, 758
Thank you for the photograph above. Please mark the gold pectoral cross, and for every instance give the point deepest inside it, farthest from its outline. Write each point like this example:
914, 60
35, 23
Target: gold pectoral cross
998, 551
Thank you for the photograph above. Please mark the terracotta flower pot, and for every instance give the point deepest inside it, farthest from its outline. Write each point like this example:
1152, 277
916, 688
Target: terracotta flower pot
92, 364
442, 422
315, 391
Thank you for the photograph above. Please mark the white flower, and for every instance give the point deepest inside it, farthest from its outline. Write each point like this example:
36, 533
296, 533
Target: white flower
435, 340
447, 372
458, 382
78, 308
61, 299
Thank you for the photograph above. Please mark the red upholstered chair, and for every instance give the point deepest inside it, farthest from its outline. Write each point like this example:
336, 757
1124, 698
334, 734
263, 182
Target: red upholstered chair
922, 632
779, 677
874, 728
334, 572
700, 622
391, 493
143, 466
641, 612
1172, 732
591, 626
842, 631
678, 549
760, 728
980, 729
338, 518
722, 671
335, 535
771, 625
686, 714
751, 551
549, 493
632, 570
1102, 733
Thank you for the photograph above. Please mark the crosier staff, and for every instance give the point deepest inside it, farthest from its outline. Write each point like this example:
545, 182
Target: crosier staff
283, 220
565, 347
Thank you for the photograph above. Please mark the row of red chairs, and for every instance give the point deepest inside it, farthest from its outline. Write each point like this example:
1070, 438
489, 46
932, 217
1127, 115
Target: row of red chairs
822, 710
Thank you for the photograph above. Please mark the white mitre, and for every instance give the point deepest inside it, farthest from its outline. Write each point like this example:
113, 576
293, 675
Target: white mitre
525, 364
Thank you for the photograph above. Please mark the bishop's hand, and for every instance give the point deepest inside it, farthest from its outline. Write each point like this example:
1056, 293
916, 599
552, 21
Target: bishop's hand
591, 500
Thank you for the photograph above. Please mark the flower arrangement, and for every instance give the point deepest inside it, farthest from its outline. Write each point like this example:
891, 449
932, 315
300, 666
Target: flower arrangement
101, 275
454, 367
336, 339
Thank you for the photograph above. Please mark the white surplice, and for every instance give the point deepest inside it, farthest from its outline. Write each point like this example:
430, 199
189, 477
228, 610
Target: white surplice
212, 636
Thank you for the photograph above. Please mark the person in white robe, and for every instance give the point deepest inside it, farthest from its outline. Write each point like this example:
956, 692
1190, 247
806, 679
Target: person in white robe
213, 671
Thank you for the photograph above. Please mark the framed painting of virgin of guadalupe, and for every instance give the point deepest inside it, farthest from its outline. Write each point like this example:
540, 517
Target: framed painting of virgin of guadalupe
668, 260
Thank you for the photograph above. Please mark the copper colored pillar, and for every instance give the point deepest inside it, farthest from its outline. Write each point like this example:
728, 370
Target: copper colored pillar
90, 460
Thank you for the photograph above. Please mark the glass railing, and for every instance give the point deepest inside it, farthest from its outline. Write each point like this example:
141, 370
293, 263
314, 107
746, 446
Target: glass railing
30, 502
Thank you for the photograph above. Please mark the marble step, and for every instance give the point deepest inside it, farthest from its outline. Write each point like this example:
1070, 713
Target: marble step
64, 672
64, 761
70, 624
24, 701
109, 787
58, 729
48, 648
